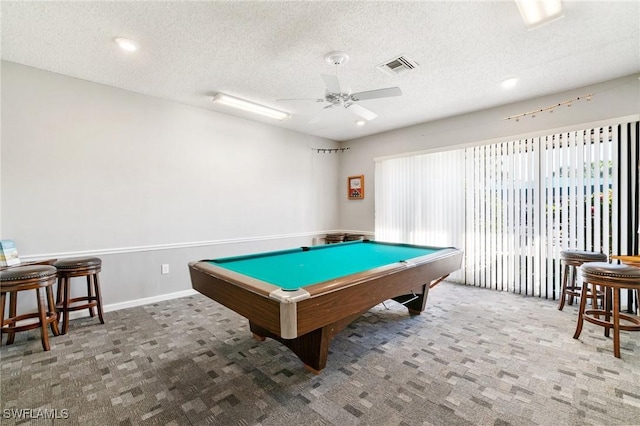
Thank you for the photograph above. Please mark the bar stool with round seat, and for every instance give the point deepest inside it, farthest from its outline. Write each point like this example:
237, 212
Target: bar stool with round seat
612, 278
24, 278
78, 267
572, 260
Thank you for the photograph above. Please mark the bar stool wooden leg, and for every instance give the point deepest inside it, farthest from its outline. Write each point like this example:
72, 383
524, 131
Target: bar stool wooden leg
42, 313
565, 277
3, 301
574, 282
594, 297
60, 296
52, 309
589, 295
13, 297
65, 304
96, 284
59, 291
583, 306
60, 301
616, 324
90, 286
608, 306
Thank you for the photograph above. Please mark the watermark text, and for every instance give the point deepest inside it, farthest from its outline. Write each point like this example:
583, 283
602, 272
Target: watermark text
35, 413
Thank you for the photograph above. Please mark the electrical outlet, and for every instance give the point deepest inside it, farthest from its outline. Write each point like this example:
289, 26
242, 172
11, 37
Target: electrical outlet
165, 268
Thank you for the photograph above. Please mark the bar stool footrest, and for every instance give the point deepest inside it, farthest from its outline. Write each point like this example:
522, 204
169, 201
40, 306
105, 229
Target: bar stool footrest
589, 315
91, 303
10, 327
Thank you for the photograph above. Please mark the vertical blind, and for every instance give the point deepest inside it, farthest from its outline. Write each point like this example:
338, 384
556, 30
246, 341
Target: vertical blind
420, 200
513, 206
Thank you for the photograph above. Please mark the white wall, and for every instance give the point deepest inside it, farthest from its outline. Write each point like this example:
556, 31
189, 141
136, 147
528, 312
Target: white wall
140, 181
611, 99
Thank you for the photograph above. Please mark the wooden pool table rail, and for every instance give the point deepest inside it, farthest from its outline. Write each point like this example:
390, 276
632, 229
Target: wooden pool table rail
330, 306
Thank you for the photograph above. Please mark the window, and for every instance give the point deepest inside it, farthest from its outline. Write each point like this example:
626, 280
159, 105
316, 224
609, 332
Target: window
513, 206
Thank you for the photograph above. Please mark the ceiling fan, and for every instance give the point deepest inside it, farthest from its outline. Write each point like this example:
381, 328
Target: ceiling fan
336, 97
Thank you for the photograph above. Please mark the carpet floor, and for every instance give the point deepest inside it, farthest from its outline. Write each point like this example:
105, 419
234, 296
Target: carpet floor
474, 357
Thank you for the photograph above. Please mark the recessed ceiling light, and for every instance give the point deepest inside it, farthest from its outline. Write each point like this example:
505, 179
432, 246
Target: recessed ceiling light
509, 82
360, 122
127, 44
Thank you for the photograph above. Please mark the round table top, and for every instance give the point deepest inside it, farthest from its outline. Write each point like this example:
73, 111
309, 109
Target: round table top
629, 260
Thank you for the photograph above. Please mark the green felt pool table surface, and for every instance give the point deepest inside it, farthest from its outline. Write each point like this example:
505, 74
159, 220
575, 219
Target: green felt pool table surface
297, 268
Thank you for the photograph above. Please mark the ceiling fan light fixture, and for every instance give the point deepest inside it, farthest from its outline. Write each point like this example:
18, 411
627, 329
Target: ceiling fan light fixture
244, 105
536, 13
336, 58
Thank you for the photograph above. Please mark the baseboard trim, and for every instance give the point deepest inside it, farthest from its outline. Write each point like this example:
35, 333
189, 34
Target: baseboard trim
137, 302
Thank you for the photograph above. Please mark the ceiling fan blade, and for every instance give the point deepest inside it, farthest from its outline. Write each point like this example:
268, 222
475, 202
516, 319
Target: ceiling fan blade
331, 83
378, 93
362, 111
318, 116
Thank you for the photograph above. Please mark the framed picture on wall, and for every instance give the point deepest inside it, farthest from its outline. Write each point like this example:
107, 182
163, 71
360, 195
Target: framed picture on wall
355, 187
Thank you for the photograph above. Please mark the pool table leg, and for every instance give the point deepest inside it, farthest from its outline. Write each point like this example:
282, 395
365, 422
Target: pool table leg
312, 348
414, 303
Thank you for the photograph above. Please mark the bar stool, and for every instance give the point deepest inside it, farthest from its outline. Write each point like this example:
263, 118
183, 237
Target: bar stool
78, 267
572, 260
611, 278
23, 278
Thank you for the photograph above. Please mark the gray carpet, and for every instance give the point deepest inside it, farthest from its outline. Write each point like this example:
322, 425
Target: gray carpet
474, 357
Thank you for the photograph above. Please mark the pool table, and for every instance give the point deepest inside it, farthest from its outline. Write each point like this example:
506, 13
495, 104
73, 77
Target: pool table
302, 297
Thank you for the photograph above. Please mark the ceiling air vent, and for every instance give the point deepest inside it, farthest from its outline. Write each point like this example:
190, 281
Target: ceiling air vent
397, 65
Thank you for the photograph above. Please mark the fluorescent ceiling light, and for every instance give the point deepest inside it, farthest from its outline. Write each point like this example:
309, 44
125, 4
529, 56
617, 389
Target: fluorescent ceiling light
249, 106
360, 122
126, 44
539, 12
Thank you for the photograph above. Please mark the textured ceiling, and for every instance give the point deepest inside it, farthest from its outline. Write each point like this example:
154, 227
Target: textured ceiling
263, 51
